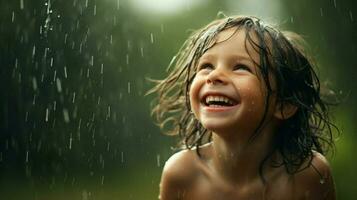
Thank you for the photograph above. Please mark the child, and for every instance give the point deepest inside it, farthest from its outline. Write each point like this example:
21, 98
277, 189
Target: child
246, 101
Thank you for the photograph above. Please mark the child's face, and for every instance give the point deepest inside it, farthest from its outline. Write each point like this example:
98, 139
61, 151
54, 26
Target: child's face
227, 93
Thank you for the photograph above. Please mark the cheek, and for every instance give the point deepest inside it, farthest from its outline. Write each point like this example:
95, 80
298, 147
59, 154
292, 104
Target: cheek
194, 96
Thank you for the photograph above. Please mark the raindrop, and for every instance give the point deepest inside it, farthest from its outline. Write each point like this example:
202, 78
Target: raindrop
108, 114
34, 99
88, 70
351, 16
152, 38
73, 97
98, 102
65, 115
111, 39
127, 59
86, 3
59, 85
65, 71
0, 156
118, 4
47, 114
51, 62
91, 61
321, 12
158, 160
102, 68
21, 4
13, 16
33, 51
122, 157
129, 89
102, 180
34, 83
65, 38
54, 75
95, 10
54, 105
108, 146
114, 21
142, 51
334, 3
27, 156
16, 63
70, 142
292, 19
162, 28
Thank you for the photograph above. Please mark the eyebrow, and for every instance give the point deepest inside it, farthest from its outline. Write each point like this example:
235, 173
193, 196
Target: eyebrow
236, 56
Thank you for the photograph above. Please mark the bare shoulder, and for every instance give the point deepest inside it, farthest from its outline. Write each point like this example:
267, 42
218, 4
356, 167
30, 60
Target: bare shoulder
315, 181
178, 173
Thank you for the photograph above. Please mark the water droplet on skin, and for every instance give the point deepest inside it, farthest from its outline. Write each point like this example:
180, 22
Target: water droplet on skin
322, 181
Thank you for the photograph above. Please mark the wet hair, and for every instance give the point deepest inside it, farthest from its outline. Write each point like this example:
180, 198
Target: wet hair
283, 56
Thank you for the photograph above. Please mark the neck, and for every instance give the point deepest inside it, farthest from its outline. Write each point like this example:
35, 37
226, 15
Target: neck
238, 161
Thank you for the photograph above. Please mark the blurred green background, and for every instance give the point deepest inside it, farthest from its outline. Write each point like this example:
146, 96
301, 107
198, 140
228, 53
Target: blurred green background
74, 121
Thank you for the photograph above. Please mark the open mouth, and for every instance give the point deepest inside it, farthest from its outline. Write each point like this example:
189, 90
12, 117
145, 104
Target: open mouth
218, 101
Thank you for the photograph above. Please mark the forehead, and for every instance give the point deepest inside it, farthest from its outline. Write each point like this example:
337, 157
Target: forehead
233, 41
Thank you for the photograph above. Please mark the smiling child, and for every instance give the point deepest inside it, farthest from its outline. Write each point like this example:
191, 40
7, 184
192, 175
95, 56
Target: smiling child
246, 101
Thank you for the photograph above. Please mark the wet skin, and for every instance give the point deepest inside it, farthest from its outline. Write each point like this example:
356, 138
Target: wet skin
228, 168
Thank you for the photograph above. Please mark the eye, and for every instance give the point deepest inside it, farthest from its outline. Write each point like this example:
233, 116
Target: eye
205, 66
242, 67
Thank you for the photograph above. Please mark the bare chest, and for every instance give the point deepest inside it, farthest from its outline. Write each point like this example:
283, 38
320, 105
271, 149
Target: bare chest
217, 190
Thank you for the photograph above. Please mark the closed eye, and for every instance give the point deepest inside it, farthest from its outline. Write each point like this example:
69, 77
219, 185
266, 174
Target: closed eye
205, 66
242, 67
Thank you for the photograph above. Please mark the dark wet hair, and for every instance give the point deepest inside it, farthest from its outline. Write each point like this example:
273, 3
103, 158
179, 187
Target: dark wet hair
281, 54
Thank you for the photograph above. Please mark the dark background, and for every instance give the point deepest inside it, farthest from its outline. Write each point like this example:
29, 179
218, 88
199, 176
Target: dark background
74, 121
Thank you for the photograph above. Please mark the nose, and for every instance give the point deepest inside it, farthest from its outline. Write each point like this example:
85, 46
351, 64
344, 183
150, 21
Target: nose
217, 76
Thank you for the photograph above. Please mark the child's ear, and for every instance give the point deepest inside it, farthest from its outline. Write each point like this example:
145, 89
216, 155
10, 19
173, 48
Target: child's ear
284, 111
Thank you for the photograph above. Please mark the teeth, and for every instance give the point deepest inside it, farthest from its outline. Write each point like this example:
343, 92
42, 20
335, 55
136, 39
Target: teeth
218, 99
